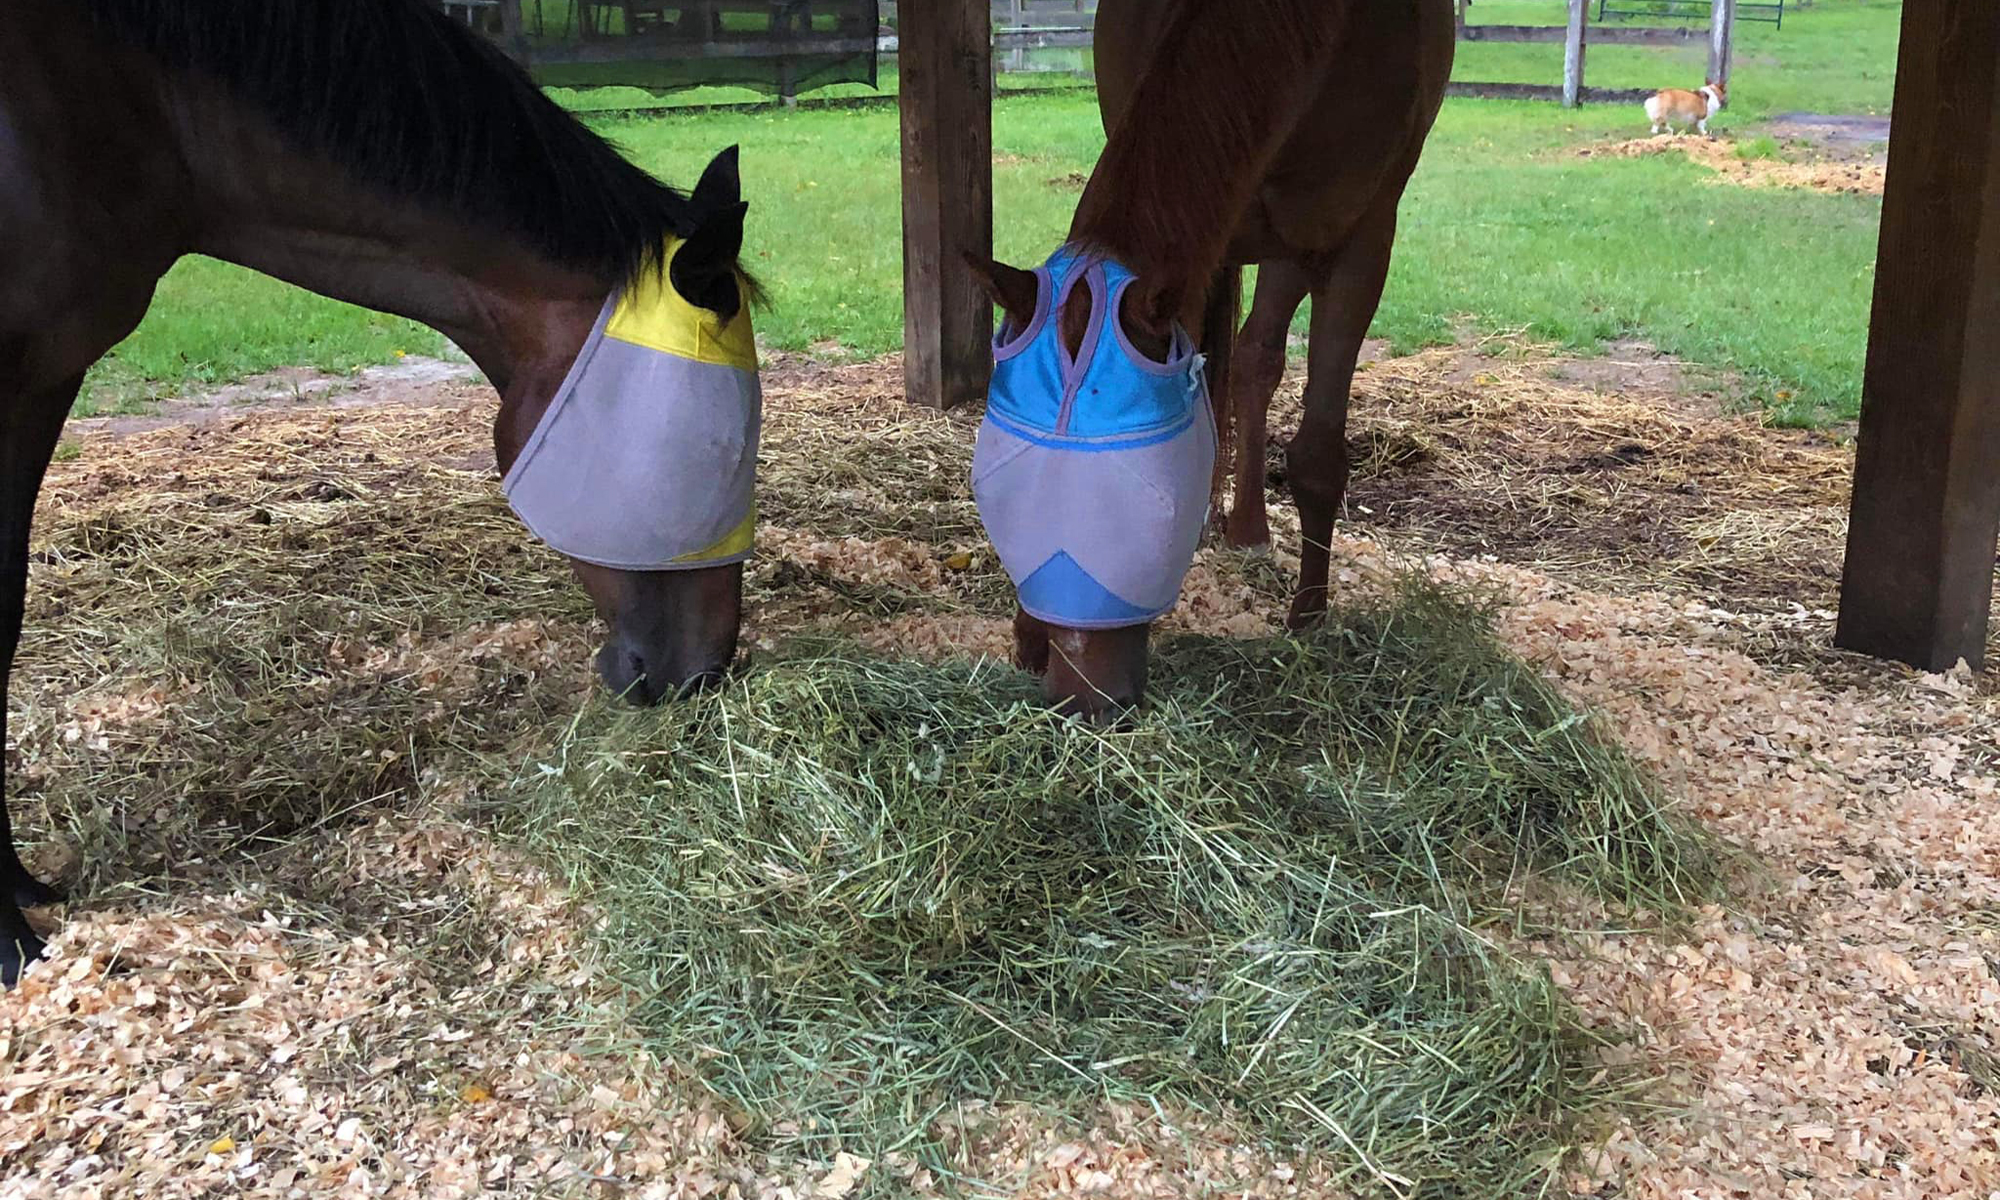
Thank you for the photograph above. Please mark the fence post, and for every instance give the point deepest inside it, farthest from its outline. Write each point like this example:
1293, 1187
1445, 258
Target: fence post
1579, 12
1721, 39
512, 35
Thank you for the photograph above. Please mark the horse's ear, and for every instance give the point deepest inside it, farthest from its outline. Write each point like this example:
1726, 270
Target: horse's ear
1151, 309
721, 183
704, 268
1017, 292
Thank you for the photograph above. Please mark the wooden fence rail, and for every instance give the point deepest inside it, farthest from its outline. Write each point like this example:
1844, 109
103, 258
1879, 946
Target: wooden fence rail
1578, 33
1045, 12
1019, 27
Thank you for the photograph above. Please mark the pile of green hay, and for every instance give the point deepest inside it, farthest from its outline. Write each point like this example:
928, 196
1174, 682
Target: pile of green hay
850, 892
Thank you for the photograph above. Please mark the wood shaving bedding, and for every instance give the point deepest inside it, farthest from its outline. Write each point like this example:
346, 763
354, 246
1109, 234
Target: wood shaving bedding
1835, 1032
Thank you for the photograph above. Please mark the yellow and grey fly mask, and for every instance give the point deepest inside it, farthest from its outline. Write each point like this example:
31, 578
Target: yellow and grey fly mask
646, 460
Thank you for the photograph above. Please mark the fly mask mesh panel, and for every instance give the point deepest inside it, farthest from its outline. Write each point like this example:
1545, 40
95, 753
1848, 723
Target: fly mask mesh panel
646, 460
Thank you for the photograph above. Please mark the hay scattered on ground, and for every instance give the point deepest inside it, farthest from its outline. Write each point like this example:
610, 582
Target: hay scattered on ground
1830, 1035
272, 627
853, 891
1719, 156
1640, 487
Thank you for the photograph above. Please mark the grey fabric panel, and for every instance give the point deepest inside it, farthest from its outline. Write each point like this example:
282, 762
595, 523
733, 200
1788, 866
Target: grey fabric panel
642, 458
1132, 518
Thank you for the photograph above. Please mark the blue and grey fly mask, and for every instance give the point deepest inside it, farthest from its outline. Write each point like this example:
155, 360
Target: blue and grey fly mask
646, 460
1092, 473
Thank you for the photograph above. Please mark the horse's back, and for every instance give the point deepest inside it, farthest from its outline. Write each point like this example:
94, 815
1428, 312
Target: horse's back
1353, 147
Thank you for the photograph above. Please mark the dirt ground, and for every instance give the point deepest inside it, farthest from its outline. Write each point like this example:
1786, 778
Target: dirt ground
1862, 133
1806, 159
445, 1029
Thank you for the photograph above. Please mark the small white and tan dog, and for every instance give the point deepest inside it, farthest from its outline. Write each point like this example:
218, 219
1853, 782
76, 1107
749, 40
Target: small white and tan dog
1676, 106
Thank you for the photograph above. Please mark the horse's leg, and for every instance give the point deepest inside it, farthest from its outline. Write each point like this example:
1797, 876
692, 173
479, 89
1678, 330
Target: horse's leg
1281, 286
1316, 462
1218, 344
28, 433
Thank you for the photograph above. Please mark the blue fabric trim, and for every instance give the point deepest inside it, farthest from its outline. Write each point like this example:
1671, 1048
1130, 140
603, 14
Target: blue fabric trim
1063, 593
1106, 392
1091, 445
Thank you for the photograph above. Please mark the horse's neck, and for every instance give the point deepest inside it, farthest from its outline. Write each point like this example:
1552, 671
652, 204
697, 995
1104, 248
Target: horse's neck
264, 206
1222, 89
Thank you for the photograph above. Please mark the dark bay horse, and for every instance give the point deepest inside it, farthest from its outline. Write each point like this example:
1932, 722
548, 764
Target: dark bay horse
1275, 132
371, 151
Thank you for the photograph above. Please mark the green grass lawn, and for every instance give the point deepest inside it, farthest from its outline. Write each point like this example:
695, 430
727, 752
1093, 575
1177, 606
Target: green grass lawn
213, 323
1504, 226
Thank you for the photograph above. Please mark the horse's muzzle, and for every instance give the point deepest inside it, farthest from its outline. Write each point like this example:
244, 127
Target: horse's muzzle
630, 675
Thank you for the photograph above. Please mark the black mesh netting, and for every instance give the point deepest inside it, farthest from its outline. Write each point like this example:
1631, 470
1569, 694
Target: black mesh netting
781, 47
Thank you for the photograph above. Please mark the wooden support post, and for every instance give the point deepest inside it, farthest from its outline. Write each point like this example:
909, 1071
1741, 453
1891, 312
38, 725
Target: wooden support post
1721, 39
947, 107
1918, 582
1579, 16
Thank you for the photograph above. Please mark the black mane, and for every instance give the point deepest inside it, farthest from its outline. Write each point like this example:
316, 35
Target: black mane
406, 100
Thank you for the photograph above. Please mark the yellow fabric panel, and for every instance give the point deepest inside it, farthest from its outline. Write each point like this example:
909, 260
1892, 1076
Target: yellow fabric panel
736, 541
653, 315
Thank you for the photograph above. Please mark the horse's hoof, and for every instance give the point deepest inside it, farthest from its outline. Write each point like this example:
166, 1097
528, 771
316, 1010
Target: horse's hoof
16, 953
30, 892
1304, 616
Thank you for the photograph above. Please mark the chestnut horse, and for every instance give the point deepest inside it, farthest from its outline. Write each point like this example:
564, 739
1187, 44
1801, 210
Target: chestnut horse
1274, 132
371, 151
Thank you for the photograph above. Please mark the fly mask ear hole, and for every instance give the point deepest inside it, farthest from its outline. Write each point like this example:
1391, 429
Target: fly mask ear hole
1148, 317
1015, 292
704, 268
1163, 351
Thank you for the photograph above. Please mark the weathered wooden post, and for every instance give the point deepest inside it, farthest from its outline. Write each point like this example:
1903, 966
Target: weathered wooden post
1721, 39
947, 110
1918, 582
1579, 16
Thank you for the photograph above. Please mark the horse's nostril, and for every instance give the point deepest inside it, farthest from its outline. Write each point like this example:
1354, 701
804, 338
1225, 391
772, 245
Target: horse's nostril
701, 682
625, 675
